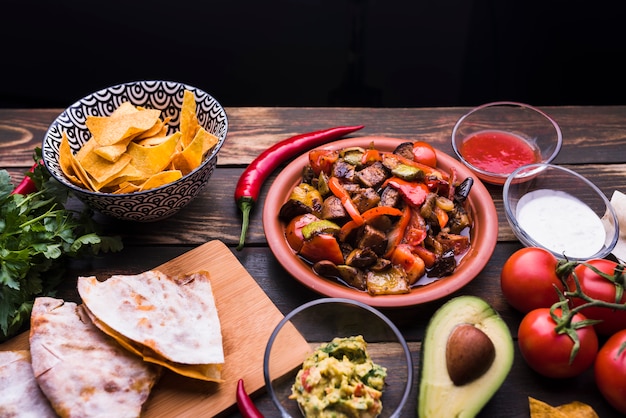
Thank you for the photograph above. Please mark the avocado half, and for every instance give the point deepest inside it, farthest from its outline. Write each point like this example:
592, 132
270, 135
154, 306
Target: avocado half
488, 367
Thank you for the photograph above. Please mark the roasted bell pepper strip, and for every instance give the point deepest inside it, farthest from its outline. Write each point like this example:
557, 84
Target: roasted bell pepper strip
397, 234
425, 254
379, 211
370, 155
245, 404
414, 192
250, 182
442, 216
27, 185
338, 190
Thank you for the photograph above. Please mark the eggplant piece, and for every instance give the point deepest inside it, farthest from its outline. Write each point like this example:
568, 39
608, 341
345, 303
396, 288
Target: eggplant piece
292, 208
462, 191
350, 275
405, 150
333, 209
372, 176
444, 266
361, 258
365, 198
304, 198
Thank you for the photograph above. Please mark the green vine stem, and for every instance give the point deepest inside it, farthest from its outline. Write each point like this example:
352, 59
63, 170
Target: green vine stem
564, 324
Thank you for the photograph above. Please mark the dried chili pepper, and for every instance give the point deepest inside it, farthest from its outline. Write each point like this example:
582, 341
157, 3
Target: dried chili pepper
245, 404
27, 185
249, 184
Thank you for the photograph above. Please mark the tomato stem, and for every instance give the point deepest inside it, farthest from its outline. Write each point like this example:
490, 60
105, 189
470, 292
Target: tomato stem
564, 323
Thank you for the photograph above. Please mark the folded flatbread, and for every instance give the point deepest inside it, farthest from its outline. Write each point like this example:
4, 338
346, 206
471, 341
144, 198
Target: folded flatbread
82, 371
168, 320
20, 395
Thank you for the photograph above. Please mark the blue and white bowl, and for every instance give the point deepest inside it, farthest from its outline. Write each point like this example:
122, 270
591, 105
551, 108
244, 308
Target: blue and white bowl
167, 96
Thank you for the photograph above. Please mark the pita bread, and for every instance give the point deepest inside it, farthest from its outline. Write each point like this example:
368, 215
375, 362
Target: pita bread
81, 370
171, 321
20, 394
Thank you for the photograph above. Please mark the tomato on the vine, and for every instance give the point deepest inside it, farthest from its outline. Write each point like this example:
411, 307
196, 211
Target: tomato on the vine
610, 371
548, 352
597, 287
528, 279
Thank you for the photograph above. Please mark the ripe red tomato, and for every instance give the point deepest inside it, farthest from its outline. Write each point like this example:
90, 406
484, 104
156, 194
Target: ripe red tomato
528, 279
424, 153
610, 371
293, 230
597, 287
547, 352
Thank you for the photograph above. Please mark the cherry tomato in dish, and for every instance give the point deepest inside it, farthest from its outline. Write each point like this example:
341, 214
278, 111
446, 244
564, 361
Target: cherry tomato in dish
322, 247
322, 160
424, 153
293, 230
610, 371
598, 287
528, 279
547, 352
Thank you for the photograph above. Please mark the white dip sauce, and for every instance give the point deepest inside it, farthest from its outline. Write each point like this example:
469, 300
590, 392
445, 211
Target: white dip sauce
561, 222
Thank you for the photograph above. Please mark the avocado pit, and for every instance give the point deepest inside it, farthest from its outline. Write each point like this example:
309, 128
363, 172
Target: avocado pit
469, 354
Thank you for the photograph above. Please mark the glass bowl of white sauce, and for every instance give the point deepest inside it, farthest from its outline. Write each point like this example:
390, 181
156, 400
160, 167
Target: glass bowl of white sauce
555, 208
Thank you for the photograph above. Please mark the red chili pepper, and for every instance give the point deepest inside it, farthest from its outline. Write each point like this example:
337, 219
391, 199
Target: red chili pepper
27, 185
245, 404
251, 180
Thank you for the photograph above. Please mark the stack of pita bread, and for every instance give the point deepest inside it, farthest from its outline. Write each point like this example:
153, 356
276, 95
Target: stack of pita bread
103, 357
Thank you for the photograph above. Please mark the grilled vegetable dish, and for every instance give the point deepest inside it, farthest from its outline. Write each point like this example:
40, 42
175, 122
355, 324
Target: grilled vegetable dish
381, 222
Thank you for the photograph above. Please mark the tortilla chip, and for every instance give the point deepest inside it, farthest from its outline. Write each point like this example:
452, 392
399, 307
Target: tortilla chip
73, 169
158, 130
110, 130
131, 147
151, 160
161, 178
188, 119
103, 170
111, 152
575, 409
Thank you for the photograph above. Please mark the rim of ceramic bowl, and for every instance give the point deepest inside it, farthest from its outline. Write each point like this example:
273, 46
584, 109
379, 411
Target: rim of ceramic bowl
103, 91
497, 178
526, 173
323, 301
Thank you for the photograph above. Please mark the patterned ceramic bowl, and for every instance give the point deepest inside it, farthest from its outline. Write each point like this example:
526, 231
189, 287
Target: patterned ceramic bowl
167, 96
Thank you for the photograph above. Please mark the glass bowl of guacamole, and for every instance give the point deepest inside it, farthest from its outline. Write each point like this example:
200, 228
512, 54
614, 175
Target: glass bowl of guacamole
336, 357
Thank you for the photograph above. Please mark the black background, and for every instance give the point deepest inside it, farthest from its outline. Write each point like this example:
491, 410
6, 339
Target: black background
382, 53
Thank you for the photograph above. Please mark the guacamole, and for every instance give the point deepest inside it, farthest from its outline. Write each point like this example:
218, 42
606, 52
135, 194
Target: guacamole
340, 380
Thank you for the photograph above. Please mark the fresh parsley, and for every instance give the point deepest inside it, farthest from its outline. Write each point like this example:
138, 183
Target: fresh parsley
37, 235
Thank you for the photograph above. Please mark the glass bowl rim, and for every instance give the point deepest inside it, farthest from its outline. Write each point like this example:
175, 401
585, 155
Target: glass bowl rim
500, 176
323, 301
531, 170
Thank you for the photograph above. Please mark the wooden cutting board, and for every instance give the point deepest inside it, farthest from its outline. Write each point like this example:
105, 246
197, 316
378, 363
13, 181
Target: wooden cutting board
247, 317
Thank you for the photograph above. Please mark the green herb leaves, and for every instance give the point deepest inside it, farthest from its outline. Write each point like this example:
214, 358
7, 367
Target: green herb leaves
37, 234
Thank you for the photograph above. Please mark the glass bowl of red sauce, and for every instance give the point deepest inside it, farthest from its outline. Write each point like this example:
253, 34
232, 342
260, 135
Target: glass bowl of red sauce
496, 138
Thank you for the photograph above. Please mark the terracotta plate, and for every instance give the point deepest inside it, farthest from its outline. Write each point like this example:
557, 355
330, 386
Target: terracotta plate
483, 236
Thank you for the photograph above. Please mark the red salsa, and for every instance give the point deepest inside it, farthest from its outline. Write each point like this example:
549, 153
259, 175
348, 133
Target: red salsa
498, 151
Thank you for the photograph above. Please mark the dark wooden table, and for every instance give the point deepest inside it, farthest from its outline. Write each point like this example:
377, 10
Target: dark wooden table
594, 145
